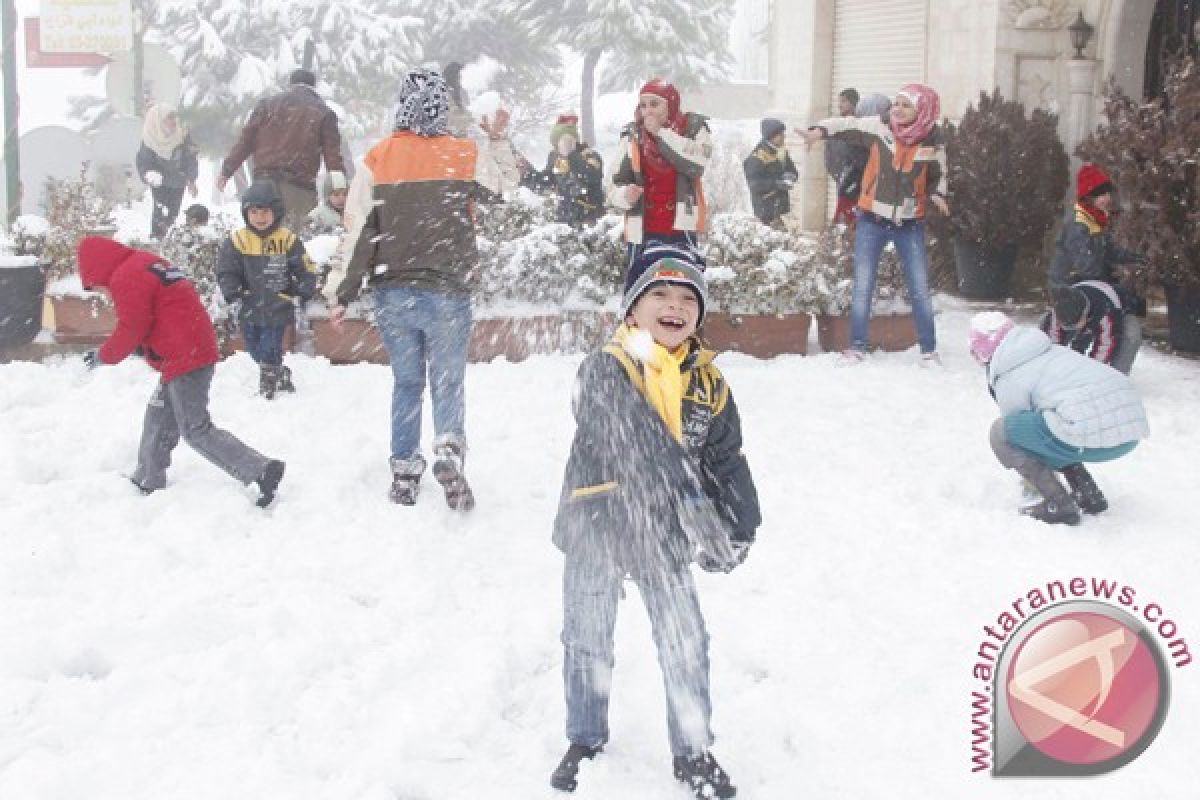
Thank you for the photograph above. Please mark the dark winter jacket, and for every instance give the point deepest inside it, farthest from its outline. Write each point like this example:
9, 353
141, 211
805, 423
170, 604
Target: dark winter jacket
688, 153
578, 180
177, 171
158, 310
265, 270
287, 135
1085, 251
627, 477
771, 175
1100, 334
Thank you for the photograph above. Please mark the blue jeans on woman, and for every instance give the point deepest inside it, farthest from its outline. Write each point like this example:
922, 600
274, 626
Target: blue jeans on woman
264, 343
871, 235
426, 333
591, 589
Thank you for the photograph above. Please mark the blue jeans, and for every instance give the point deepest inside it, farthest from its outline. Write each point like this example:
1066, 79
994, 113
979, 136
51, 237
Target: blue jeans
591, 589
871, 234
265, 343
425, 332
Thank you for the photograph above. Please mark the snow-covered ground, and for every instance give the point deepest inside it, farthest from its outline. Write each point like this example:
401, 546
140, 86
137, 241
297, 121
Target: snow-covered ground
188, 646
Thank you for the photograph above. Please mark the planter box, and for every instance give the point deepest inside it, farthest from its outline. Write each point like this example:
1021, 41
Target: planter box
21, 292
82, 320
514, 338
357, 341
890, 332
758, 335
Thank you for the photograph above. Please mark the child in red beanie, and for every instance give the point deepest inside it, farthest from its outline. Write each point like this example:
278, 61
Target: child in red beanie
1086, 251
160, 315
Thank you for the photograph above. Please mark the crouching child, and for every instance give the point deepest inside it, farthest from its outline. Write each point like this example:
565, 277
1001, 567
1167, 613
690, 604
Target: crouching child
656, 479
1059, 410
160, 315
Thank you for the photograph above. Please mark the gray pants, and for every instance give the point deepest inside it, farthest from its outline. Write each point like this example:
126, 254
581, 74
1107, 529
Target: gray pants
1127, 347
1028, 467
180, 409
297, 202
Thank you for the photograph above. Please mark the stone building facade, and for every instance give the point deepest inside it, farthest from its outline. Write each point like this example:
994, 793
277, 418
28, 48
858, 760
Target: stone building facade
960, 47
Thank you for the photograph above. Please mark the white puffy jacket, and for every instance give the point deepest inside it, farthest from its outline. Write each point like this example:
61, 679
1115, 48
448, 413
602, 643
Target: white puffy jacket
1085, 403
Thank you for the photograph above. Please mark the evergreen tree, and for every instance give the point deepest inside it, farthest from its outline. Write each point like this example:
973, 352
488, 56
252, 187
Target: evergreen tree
684, 41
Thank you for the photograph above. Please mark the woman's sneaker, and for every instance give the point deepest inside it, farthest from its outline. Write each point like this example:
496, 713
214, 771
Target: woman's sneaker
851, 357
704, 776
564, 776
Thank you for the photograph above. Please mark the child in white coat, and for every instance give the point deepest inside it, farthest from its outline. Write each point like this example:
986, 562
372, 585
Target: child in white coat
1059, 409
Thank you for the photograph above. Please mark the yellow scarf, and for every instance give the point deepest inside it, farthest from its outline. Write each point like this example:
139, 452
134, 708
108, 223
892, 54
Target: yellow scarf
664, 382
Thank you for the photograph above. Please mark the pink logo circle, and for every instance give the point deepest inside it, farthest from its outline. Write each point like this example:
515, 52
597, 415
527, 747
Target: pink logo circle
1083, 688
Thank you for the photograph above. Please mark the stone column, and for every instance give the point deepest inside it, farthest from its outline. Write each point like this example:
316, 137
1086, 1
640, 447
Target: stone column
1079, 119
800, 80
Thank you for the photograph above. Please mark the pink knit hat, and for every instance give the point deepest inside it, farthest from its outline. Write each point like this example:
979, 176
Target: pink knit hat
988, 329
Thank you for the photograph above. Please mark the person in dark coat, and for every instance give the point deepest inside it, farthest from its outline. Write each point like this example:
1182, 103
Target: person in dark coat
288, 135
1086, 251
574, 171
166, 162
771, 174
262, 269
656, 479
1087, 318
844, 162
160, 315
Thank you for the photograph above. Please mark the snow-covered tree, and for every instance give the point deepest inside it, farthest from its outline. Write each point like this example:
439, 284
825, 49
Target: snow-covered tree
684, 41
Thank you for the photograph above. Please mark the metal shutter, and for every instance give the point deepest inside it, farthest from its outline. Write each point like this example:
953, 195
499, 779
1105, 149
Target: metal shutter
878, 46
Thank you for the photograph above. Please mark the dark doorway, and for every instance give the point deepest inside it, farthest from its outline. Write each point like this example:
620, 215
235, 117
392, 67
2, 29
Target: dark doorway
1173, 30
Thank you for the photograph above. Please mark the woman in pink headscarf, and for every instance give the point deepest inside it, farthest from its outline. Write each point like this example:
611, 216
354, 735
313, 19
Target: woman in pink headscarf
657, 184
166, 162
906, 171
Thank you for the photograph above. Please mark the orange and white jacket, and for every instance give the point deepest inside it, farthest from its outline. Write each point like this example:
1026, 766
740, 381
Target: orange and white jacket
899, 178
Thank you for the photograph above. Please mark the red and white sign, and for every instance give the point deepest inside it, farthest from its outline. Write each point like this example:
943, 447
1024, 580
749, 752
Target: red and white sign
86, 26
35, 56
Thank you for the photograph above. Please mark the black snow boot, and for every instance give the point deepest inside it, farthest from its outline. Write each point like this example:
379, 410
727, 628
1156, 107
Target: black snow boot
448, 451
704, 776
285, 381
1086, 493
1062, 511
269, 482
406, 479
268, 381
564, 774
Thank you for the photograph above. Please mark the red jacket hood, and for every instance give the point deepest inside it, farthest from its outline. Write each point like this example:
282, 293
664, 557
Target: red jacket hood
99, 258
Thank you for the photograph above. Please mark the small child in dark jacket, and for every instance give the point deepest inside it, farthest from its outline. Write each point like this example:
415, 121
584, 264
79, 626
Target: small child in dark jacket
1087, 318
656, 479
160, 315
262, 268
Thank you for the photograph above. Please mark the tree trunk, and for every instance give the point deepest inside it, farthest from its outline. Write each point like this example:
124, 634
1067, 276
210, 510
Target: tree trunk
586, 95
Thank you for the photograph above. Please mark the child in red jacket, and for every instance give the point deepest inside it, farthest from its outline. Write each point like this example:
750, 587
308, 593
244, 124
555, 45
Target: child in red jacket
160, 315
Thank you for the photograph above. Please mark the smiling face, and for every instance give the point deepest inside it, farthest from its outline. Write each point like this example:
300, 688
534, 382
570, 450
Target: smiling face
903, 110
653, 108
667, 311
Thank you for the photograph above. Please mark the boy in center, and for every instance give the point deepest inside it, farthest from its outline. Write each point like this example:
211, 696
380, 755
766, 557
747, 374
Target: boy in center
656, 479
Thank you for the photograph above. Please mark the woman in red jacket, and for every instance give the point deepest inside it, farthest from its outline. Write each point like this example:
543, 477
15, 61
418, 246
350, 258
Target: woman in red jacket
160, 315
657, 185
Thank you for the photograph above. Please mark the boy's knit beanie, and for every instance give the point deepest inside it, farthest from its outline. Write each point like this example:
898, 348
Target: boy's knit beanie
664, 263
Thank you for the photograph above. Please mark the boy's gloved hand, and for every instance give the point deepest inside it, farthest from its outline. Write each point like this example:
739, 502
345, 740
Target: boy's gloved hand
154, 178
707, 530
91, 359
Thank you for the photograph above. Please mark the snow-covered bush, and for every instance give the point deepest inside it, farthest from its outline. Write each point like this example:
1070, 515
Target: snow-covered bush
73, 210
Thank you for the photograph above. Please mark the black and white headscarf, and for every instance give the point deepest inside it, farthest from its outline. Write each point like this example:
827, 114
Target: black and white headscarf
424, 104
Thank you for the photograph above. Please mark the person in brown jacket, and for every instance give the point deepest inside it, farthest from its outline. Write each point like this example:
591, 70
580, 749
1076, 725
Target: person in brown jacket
287, 136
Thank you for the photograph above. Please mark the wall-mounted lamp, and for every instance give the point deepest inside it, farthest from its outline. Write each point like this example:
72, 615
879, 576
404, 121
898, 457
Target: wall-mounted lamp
1081, 34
